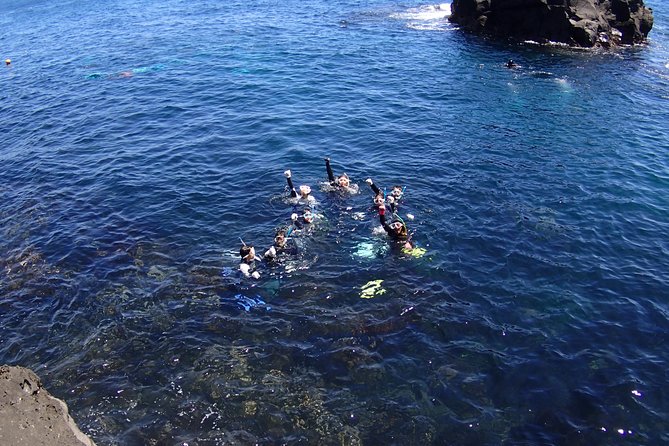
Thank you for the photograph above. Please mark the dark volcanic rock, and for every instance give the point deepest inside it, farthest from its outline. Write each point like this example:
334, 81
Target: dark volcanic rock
29, 415
584, 23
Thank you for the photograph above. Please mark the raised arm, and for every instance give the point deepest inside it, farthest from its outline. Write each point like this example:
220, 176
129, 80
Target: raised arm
296, 221
293, 192
375, 189
331, 177
382, 219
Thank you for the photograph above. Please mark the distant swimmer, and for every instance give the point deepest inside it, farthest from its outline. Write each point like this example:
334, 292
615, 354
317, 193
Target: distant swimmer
248, 261
282, 245
393, 199
342, 182
305, 191
8, 62
511, 64
396, 230
302, 221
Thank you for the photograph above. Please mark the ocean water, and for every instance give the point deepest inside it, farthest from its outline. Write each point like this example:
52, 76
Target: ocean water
142, 140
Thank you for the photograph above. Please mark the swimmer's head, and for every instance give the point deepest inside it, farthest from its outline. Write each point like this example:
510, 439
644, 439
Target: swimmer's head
398, 228
343, 181
280, 239
308, 216
305, 191
397, 192
378, 200
8, 61
247, 252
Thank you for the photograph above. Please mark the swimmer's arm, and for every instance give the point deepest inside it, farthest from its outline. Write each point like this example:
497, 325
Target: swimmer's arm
393, 203
331, 176
293, 192
245, 268
382, 219
373, 186
296, 221
270, 253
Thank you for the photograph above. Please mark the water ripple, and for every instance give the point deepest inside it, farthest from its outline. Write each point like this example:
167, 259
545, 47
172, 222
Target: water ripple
143, 141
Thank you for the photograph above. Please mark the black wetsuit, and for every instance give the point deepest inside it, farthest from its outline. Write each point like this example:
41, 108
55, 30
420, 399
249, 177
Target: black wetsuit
301, 223
252, 263
390, 231
308, 200
377, 191
289, 248
293, 192
331, 177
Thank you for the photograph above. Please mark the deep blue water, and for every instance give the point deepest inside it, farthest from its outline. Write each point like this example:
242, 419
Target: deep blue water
142, 140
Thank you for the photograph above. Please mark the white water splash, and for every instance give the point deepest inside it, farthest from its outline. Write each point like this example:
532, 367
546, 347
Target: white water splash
426, 17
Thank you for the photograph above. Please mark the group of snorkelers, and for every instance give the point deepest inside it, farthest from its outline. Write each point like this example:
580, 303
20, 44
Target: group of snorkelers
386, 204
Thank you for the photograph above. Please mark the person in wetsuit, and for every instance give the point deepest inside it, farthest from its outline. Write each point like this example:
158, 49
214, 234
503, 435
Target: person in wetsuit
341, 181
396, 230
305, 191
248, 261
392, 199
302, 221
282, 245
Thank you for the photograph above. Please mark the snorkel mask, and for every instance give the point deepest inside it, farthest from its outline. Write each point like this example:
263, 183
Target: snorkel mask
396, 226
280, 240
397, 192
399, 228
305, 190
308, 216
378, 200
343, 181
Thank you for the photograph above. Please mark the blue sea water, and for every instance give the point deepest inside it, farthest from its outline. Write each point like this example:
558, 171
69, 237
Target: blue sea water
142, 139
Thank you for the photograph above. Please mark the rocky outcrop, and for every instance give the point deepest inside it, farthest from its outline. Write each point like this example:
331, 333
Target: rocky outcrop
30, 416
584, 23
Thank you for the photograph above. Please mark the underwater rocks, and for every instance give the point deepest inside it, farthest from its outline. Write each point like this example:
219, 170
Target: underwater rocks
581, 23
30, 415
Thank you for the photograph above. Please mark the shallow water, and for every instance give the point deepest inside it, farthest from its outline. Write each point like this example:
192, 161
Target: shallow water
142, 140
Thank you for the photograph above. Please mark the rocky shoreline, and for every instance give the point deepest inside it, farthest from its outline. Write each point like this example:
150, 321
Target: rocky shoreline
579, 23
29, 415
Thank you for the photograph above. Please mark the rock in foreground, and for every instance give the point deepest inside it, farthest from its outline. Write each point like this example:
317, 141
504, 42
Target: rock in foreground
584, 23
30, 416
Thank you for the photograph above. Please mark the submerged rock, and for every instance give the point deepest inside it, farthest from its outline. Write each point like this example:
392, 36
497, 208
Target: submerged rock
29, 415
582, 23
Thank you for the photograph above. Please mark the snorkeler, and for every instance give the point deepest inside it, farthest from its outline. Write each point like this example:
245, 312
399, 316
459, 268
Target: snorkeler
282, 245
380, 198
341, 181
511, 64
396, 230
302, 221
248, 261
305, 191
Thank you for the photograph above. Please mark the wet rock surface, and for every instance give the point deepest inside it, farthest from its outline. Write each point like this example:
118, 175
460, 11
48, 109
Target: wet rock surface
29, 415
581, 23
